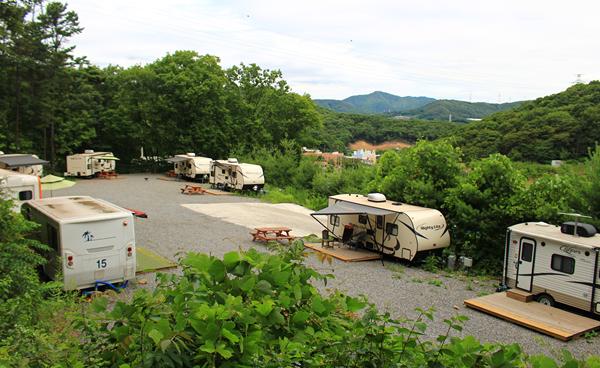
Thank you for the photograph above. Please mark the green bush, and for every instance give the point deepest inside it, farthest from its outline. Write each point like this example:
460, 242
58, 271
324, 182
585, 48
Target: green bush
255, 309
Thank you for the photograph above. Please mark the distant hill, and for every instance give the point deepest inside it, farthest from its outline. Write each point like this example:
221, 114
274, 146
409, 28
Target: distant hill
460, 110
559, 126
375, 103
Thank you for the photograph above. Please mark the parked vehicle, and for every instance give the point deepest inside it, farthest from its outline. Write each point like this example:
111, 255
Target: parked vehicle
231, 175
22, 163
192, 167
19, 187
392, 228
91, 240
90, 163
555, 263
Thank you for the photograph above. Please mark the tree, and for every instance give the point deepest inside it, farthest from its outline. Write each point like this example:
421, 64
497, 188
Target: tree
481, 207
421, 174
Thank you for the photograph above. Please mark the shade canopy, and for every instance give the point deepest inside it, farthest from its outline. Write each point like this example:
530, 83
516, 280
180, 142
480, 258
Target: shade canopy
51, 179
177, 159
21, 160
106, 158
347, 208
58, 185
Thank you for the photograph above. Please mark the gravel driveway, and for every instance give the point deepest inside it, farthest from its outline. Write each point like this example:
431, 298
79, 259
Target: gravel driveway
172, 229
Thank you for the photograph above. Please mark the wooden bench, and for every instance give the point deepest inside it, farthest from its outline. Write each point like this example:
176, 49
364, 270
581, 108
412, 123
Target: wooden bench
192, 189
107, 175
267, 234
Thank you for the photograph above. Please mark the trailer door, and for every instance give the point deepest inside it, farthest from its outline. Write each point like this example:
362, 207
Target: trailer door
526, 263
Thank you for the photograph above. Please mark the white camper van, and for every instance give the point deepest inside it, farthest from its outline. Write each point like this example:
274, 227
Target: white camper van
554, 263
391, 228
19, 187
91, 240
190, 166
22, 163
90, 163
231, 175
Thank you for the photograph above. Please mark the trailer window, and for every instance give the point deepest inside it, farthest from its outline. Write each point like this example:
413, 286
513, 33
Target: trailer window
334, 220
526, 252
362, 219
25, 195
380, 222
563, 264
391, 229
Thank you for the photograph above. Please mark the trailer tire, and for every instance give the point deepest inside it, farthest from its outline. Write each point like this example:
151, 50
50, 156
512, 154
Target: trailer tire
546, 300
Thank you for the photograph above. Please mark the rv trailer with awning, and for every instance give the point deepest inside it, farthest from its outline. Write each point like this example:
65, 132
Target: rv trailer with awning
555, 263
90, 163
231, 175
19, 187
190, 166
22, 163
391, 228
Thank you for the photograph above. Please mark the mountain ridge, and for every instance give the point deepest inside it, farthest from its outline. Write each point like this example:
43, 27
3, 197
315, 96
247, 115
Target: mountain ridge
418, 107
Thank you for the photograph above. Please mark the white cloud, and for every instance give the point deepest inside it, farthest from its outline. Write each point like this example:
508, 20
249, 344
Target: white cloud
477, 50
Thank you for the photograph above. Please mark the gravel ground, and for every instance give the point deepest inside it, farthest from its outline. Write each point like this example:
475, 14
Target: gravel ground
172, 229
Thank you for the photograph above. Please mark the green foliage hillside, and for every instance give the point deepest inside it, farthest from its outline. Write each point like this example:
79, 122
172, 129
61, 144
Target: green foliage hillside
374, 103
340, 129
560, 126
460, 110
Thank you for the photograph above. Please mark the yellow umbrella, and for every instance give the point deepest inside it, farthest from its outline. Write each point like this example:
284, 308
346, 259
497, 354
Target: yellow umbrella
51, 182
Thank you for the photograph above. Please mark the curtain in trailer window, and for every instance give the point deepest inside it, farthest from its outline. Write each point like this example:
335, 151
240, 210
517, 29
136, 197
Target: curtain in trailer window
563, 264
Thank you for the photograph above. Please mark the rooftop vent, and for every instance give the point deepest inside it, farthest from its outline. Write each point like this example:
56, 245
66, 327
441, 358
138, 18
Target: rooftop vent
376, 197
88, 151
232, 160
585, 230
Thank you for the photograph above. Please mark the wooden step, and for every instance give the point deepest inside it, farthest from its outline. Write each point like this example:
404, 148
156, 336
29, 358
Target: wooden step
520, 295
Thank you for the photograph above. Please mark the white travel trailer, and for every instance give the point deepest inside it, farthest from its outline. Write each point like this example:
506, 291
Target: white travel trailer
22, 163
19, 187
191, 167
90, 163
391, 228
91, 240
231, 175
554, 264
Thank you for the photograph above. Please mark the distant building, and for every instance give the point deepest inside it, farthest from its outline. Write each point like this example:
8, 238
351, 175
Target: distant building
366, 156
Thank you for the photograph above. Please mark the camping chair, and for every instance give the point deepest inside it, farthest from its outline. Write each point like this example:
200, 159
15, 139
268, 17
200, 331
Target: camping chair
347, 234
326, 240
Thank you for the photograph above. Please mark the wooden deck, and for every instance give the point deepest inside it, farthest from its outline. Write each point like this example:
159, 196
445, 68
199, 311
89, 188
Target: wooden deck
345, 254
551, 321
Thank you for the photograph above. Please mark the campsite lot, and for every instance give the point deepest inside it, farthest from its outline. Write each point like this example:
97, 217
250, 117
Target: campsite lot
214, 224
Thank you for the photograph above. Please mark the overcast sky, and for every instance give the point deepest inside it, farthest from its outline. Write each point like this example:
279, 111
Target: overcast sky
493, 51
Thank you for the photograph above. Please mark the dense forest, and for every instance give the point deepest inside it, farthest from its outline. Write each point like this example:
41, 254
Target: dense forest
561, 126
53, 103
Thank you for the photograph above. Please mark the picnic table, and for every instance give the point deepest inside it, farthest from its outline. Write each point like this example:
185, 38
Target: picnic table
192, 189
272, 233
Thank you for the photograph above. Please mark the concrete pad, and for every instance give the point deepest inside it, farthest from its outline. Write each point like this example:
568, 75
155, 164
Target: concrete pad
252, 215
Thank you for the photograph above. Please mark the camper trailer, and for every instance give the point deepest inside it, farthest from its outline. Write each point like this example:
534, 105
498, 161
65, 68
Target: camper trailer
90, 163
19, 187
231, 175
391, 228
554, 263
192, 167
91, 240
22, 163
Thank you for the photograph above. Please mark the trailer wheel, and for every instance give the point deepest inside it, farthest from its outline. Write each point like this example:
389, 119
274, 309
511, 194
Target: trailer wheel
546, 300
